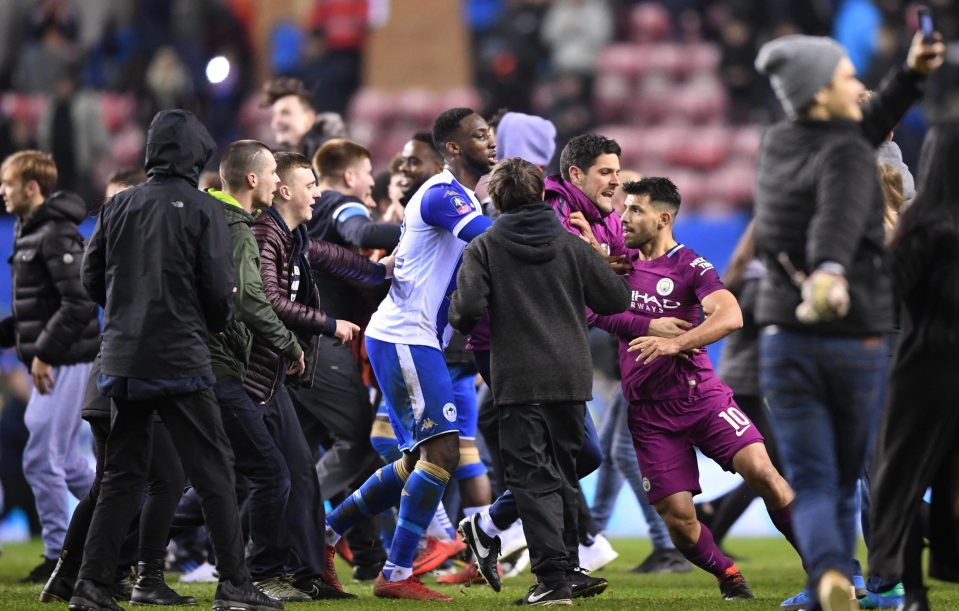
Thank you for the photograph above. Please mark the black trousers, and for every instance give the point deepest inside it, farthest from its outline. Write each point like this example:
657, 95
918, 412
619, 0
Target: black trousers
305, 518
149, 535
916, 448
260, 459
193, 421
488, 425
337, 414
539, 445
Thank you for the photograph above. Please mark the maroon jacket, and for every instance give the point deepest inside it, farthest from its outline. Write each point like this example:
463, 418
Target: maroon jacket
281, 251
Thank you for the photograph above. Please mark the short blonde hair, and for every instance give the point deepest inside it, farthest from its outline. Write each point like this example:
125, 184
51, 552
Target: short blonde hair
32, 165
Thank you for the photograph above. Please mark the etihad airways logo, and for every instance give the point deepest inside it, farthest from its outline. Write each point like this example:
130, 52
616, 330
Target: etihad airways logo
652, 303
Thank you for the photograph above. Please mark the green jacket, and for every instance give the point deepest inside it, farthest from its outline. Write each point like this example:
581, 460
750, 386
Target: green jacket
230, 349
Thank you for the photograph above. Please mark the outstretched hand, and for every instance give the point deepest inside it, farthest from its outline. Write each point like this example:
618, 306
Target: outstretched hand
925, 56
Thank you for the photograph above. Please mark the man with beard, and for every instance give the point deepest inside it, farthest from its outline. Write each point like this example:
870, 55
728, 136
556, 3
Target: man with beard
676, 400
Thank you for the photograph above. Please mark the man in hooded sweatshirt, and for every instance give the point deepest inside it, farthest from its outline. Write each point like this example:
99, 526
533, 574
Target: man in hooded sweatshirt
536, 280
160, 263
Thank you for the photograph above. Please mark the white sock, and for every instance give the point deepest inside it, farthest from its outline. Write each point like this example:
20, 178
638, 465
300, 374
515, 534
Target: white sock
396, 573
440, 526
468, 511
486, 524
332, 537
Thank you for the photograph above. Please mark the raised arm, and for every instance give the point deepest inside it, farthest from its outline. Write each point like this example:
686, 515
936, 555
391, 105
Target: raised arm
902, 88
344, 263
297, 316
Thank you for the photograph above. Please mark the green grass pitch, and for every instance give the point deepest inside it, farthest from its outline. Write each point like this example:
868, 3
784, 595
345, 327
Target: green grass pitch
770, 566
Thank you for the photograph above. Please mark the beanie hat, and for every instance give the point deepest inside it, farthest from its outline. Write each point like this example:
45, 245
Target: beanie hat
798, 67
526, 136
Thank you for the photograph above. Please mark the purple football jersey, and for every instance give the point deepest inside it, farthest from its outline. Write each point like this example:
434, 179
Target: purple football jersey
672, 285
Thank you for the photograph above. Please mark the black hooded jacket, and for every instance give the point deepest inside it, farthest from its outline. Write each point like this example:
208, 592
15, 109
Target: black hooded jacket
53, 318
536, 279
160, 261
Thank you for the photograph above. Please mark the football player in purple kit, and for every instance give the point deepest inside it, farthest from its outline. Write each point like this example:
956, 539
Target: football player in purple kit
676, 401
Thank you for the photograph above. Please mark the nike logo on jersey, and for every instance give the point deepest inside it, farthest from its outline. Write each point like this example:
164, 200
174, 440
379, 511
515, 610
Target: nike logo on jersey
739, 432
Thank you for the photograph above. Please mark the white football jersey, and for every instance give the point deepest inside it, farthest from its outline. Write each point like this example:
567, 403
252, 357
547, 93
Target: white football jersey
428, 256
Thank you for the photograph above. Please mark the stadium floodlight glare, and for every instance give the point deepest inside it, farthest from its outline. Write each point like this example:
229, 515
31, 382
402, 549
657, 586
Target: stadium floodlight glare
217, 70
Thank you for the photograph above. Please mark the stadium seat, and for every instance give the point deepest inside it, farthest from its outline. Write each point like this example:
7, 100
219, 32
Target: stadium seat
701, 148
649, 22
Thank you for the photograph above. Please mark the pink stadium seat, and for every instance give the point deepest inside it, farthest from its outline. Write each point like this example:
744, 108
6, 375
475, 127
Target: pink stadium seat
701, 148
371, 105
416, 104
612, 95
745, 142
654, 101
622, 59
649, 22
700, 58
702, 100
117, 110
734, 183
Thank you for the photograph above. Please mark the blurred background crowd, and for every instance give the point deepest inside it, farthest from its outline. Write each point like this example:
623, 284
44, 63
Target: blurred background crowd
673, 82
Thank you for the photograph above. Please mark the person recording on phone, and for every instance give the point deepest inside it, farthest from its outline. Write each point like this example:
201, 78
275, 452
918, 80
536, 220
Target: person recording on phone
826, 300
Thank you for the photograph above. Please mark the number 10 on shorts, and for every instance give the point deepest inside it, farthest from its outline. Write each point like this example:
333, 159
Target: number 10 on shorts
736, 419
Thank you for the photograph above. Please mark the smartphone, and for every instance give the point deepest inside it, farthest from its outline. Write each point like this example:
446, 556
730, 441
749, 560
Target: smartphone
925, 22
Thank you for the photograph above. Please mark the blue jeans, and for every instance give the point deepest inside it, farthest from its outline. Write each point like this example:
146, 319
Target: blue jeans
825, 395
618, 465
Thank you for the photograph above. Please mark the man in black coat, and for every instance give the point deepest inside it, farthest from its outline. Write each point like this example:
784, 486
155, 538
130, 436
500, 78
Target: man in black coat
56, 332
536, 280
826, 300
160, 263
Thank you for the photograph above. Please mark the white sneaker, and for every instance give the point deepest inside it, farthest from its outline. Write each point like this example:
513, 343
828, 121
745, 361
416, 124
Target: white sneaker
513, 540
518, 566
596, 556
205, 573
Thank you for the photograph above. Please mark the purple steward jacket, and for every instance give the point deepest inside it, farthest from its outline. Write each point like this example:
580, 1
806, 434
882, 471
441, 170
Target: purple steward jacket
565, 199
279, 252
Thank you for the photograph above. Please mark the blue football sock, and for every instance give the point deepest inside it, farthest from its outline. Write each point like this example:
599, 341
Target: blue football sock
377, 494
421, 495
503, 512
